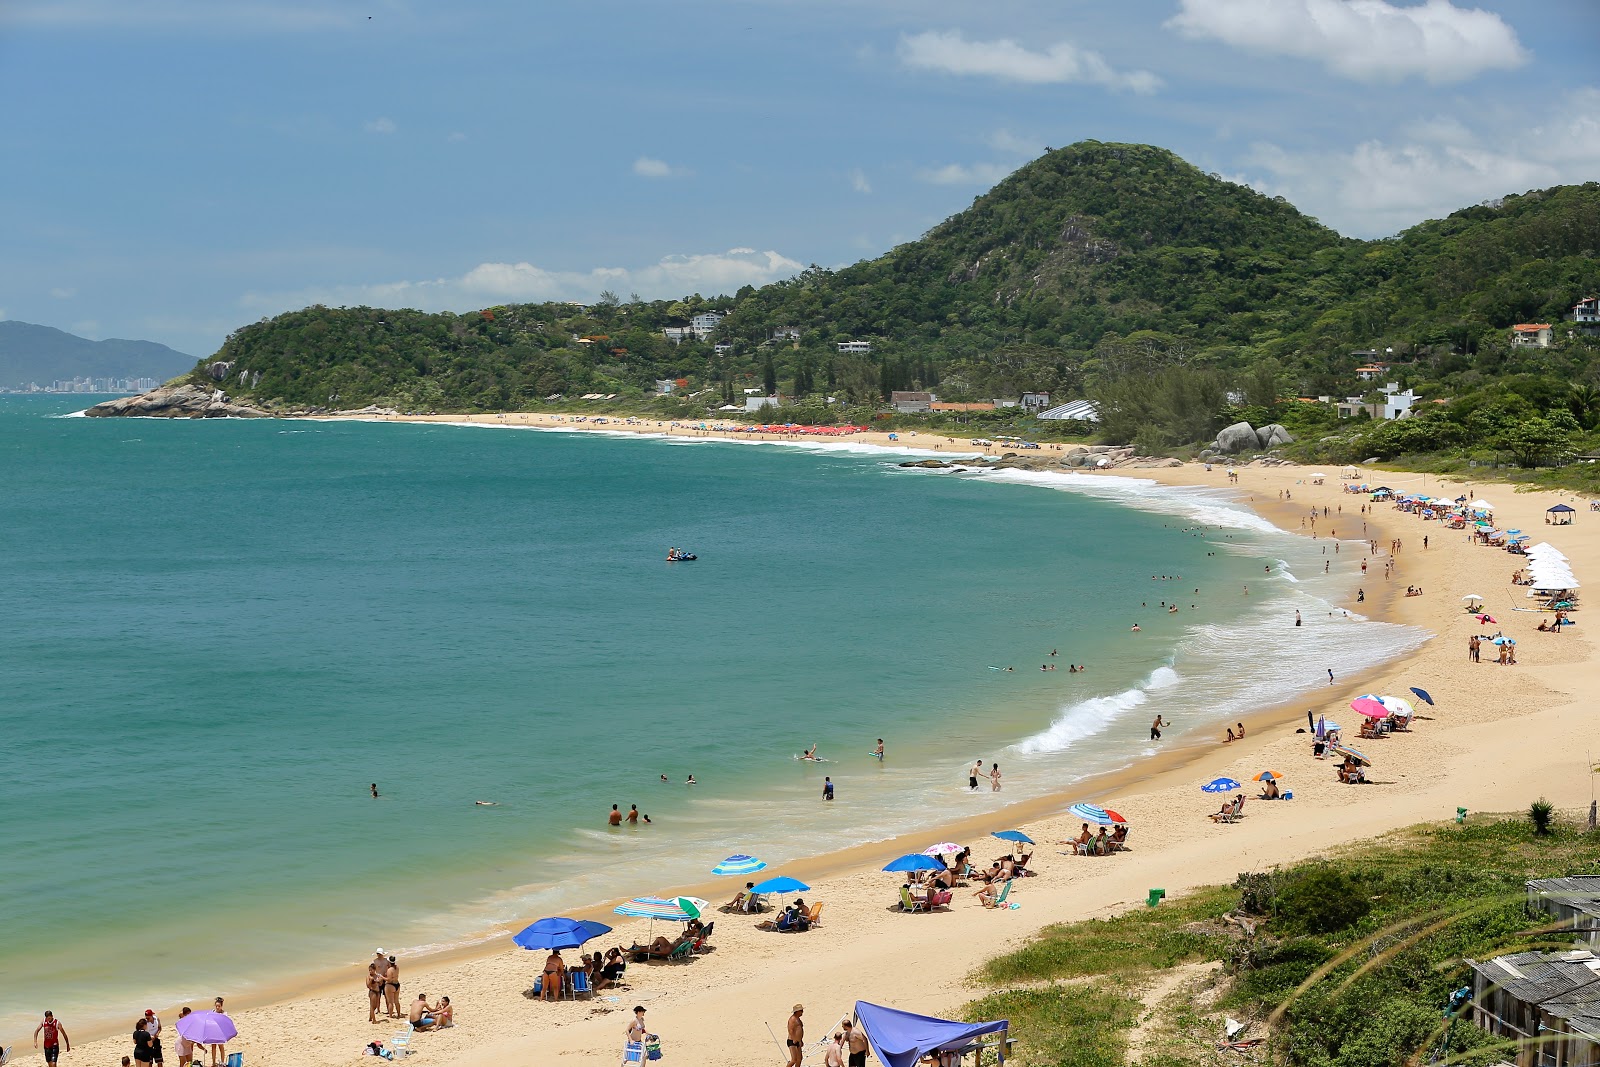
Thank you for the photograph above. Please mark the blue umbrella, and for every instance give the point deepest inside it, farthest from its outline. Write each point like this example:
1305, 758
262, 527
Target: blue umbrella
781, 884
1220, 785
740, 864
558, 932
1013, 835
1422, 695
914, 861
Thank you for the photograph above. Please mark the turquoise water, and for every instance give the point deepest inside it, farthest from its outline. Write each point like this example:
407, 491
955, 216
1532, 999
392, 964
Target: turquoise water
221, 632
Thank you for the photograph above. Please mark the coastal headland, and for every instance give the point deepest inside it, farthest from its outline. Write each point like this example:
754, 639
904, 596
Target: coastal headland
1498, 737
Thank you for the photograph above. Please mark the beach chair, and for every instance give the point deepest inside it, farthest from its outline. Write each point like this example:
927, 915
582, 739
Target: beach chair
699, 944
907, 902
814, 914
1000, 901
400, 1044
580, 984
633, 1052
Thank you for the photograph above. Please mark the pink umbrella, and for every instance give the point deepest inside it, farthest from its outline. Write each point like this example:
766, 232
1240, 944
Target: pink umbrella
1370, 708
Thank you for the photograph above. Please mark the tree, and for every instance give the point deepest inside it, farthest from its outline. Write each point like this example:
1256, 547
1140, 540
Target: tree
769, 376
1532, 440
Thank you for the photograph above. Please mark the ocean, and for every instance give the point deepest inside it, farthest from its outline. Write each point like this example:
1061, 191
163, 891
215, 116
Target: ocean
221, 633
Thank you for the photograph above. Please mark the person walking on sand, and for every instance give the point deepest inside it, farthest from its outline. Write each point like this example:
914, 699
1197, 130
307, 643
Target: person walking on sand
795, 1042
994, 777
636, 1030
973, 772
1330, 675
54, 1035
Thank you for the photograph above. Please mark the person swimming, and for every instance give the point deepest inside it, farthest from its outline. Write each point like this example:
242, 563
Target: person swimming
691, 781
810, 753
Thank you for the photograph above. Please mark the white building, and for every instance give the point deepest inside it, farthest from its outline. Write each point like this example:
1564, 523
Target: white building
1394, 405
677, 334
1586, 313
1036, 401
859, 348
756, 403
786, 333
1371, 372
723, 349
703, 323
1532, 334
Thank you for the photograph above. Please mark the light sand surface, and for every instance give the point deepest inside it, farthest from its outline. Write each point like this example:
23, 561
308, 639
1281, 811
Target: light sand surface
1498, 738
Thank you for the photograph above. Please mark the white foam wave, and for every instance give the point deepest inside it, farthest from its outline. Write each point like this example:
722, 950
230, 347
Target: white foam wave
1204, 506
1086, 718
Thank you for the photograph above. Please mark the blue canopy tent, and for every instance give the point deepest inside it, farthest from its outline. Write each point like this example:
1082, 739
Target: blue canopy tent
901, 1038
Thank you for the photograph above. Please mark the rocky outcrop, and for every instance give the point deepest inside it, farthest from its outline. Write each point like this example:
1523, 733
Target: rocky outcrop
1238, 438
178, 402
1273, 435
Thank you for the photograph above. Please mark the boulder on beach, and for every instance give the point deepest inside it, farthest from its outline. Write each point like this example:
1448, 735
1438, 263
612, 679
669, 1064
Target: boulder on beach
1273, 435
177, 402
1239, 437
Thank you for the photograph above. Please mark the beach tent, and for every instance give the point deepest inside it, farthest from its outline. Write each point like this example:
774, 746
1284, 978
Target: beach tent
901, 1038
1562, 515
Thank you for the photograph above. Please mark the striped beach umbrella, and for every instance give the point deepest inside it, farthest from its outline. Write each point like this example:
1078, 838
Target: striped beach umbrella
740, 864
1350, 753
660, 908
1095, 814
1220, 785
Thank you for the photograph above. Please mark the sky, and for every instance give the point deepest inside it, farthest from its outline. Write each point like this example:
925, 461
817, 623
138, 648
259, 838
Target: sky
173, 169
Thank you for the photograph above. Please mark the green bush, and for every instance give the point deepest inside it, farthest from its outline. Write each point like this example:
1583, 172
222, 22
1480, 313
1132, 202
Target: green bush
1322, 900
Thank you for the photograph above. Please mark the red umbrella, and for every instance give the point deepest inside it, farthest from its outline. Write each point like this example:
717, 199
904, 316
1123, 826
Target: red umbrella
1370, 708
1114, 816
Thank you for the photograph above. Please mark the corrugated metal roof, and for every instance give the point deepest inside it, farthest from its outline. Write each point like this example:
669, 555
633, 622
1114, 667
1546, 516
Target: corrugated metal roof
1537, 977
1581, 893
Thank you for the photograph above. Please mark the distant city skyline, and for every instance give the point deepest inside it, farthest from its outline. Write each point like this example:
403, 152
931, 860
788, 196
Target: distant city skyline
87, 385
188, 167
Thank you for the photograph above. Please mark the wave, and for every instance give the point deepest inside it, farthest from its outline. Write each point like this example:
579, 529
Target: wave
1086, 718
1204, 505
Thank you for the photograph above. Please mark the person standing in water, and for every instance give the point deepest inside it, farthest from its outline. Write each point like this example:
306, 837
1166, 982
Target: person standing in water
994, 777
827, 788
1155, 728
374, 790
973, 772
879, 750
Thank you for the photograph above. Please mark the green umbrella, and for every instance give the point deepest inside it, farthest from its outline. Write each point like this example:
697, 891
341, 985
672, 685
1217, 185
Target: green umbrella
690, 908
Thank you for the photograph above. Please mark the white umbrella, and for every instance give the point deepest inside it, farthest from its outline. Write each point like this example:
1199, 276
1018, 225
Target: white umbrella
1470, 597
1545, 550
943, 848
1399, 706
1319, 474
1481, 505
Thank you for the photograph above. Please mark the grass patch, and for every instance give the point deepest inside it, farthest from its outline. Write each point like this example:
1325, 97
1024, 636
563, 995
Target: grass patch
1386, 925
1064, 1025
1139, 940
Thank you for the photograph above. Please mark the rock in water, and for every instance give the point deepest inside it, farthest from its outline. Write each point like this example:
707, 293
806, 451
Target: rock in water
179, 402
1237, 438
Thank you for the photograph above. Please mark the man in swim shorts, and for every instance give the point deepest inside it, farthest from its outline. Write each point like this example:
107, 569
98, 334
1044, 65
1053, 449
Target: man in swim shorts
972, 774
796, 1042
856, 1042
615, 818
54, 1034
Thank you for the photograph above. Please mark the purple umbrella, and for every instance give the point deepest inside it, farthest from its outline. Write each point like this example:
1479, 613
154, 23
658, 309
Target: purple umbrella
207, 1028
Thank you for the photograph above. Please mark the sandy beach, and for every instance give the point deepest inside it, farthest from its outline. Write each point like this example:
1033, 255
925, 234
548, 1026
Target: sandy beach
1499, 737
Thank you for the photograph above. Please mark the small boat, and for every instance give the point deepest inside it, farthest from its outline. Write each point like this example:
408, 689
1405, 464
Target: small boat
682, 557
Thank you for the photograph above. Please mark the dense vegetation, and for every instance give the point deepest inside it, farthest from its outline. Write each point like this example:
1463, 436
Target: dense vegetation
1093, 271
1348, 961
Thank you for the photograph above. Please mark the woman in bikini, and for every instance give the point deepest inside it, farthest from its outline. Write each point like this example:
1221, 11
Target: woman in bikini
374, 992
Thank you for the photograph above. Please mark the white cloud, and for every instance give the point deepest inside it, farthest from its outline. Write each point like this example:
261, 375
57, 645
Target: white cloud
1435, 167
1006, 60
984, 174
858, 181
487, 283
63, 293
456, 137
1367, 40
381, 125
650, 167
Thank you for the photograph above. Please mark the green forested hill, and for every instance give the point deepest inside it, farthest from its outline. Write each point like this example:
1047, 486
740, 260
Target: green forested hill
1096, 266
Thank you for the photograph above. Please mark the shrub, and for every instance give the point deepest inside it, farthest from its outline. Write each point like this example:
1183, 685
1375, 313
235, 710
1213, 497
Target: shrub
1323, 900
1540, 813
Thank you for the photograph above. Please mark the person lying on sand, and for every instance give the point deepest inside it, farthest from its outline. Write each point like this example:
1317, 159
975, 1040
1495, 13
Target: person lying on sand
661, 946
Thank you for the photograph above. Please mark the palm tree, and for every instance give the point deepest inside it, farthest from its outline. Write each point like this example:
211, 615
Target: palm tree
1584, 403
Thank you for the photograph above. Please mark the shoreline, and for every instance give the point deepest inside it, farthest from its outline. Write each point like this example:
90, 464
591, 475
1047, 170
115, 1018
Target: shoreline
1268, 729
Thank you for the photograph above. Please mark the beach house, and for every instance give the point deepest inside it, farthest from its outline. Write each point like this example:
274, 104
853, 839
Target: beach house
907, 402
1575, 902
1547, 1002
1371, 372
1394, 403
1532, 334
857, 348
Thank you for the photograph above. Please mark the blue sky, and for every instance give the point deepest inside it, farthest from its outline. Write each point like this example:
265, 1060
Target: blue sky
176, 168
